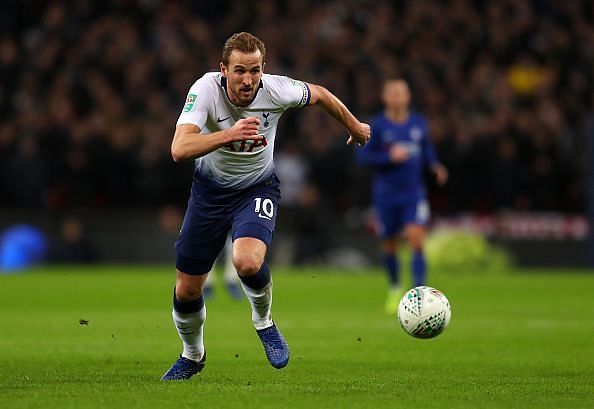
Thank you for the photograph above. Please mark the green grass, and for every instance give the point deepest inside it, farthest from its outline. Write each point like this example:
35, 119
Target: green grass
516, 340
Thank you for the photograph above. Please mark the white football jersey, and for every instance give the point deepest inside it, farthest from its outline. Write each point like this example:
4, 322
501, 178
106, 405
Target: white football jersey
240, 164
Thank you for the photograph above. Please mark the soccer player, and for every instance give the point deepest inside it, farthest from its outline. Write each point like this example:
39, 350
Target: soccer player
228, 124
399, 151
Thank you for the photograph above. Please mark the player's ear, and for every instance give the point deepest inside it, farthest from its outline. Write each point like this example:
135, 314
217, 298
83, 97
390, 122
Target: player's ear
224, 70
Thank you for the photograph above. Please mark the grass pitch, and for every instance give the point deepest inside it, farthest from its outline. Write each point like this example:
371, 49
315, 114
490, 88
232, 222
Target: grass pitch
516, 340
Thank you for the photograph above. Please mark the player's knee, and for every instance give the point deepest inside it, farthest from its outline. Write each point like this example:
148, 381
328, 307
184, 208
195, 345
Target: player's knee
247, 265
188, 291
416, 237
416, 242
389, 246
416, 247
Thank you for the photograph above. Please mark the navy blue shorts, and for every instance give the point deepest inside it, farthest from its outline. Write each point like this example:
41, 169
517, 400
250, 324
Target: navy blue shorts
393, 217
213, 211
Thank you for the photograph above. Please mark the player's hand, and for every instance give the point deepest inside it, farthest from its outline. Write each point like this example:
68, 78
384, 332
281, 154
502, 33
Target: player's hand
360, 134
441, 174
398, 153
245, 129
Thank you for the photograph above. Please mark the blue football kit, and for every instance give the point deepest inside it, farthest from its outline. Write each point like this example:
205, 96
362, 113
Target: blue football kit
399, 195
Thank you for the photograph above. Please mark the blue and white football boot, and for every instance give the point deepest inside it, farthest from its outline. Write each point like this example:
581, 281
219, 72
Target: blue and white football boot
184, 369
275, 346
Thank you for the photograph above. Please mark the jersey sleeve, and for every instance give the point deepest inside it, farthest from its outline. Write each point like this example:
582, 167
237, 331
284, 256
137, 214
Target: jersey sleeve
287, 92
196, 107
429, 154
372, 153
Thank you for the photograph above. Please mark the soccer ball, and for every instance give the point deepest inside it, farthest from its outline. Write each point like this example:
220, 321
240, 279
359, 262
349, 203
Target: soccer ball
424, 312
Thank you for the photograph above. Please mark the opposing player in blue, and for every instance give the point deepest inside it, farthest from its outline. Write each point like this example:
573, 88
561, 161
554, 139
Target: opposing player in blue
228, 124
229, 274
400, 150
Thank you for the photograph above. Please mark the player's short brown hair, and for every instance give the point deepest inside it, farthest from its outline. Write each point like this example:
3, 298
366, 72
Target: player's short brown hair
244, 42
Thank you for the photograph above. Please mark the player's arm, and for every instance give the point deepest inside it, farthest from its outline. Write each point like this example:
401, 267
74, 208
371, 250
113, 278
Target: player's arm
430, 157
188, 143
359, 132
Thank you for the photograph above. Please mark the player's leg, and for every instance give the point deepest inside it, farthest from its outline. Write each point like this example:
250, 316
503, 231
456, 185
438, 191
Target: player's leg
415, 235
248, 258
231, 278
201, 238
417, 216
230, 275
390, 219
392, 267
389, 248
253, 227
189, 315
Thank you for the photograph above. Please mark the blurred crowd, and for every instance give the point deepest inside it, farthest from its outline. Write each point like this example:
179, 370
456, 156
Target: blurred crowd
91, 90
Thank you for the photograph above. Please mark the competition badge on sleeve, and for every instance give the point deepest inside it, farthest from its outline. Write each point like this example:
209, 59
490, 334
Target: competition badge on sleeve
189, 102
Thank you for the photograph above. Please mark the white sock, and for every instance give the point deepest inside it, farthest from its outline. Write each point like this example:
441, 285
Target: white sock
190, 327
261, 302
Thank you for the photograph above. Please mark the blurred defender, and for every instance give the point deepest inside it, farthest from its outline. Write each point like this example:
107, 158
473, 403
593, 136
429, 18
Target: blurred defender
228, 124
399, 150
229, 274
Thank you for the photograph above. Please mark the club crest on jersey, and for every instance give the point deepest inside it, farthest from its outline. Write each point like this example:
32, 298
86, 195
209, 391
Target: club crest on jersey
189, 102
246, 146
266, 123
416, 134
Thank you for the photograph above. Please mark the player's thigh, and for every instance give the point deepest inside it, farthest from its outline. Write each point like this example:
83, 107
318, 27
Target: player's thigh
390, 245
415, 235
256, 217
202, 236
390, 218
416, 218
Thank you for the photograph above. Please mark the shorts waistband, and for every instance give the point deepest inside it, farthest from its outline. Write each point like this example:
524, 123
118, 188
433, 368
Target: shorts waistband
212, 185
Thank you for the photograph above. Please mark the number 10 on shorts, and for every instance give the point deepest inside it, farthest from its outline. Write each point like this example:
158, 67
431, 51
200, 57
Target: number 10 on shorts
264, 208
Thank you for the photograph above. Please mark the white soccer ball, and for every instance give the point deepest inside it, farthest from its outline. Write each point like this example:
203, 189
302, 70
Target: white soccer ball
424, 312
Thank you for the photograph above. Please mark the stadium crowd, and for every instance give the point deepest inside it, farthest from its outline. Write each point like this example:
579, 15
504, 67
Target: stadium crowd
90, 93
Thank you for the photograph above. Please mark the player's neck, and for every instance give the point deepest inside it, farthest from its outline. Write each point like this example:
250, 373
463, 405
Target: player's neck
400, 115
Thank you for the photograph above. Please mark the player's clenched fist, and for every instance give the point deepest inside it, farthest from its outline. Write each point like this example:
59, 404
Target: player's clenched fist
244, 129
360, 134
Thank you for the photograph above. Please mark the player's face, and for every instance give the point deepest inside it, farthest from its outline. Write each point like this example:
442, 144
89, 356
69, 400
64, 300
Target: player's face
243, 76
396, 95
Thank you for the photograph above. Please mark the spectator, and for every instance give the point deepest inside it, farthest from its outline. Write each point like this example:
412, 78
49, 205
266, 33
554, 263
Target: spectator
87, 91
72, 246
